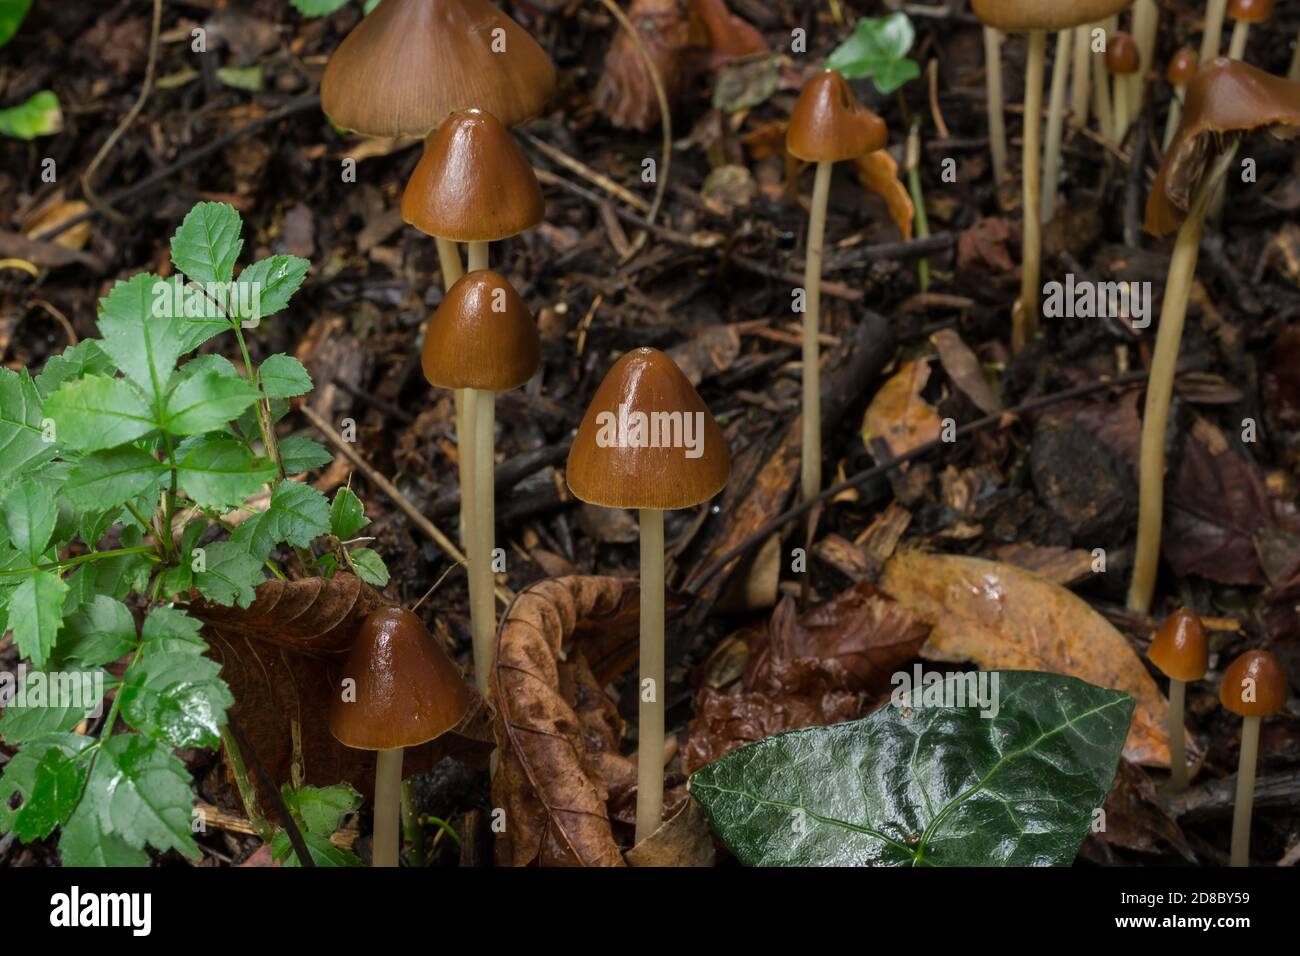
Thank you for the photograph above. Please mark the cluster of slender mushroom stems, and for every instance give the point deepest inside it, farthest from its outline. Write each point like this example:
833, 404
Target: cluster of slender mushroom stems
459, 73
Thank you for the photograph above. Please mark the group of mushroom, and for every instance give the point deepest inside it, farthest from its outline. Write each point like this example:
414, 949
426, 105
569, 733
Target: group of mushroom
459, 74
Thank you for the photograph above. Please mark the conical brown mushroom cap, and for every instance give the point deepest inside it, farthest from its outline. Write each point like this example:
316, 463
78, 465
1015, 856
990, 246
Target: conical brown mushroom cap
644, 400
1182, 67
1122, 54
481, 336
1226, 97
1021, 16
1254, 673
828, 125
473, 184
1180, 649
1250, 11
411, 63
408, 691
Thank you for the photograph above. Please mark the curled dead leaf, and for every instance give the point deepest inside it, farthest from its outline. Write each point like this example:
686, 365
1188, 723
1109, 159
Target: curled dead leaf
878, 173
898, 415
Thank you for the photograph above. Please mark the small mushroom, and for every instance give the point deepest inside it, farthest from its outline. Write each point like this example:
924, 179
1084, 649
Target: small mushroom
482, 339
648, 442
1254, 687
1125, 62
1225, 101
1243, 14
1036, 18
1182, 67
399, 689
826, 127
1182, 653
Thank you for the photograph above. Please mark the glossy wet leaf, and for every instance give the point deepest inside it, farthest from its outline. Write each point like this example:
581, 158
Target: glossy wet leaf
140, 792
927, 785
176, 696
44, 779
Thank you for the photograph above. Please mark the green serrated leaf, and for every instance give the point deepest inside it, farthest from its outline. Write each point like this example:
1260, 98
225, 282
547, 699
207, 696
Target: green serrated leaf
142, 335
36, 613
84, 358
22, 439
101, 632
300, 453
207, 401
322, 808
44, 779
85, 841
207, 244
119, 576
283, 376
29, 513
106, 479
97, 412
347, 514
220, 473
231, 574
298, 515
323, 852
369, 566
140, 792
921, 783
176, 696
40, 115
266, 287
52, 702
180, 579
877, 49
169, 630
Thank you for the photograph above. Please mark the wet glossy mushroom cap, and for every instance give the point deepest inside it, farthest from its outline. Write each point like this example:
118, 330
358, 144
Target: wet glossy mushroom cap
411, 63
645, 400
1122, 54
1180, 649
1254, 685
1021, 16
1250, 11
1182, 67
828, 125
481, 336
407, 690
1227, 97
473, 183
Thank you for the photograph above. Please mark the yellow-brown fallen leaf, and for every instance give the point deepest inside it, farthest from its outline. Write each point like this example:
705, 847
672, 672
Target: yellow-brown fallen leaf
1002, 617
879, 173
898, 415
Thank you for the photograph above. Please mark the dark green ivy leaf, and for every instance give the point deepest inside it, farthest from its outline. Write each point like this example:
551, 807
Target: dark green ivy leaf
922, 784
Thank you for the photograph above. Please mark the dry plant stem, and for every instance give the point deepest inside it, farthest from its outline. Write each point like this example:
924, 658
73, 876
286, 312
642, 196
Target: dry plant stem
1146, 21
1245, 798
650, 713
997, 120
247, 792
1101, 87
481, 580
1177, 755
1237, 45
1081, 79
1025, 320
1164, 363
1212, 38
1056, 123
811, 474
388, 804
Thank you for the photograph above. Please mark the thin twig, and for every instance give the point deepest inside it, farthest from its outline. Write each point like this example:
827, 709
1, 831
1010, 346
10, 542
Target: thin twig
287, 821
586, 172
504, 594
146, 88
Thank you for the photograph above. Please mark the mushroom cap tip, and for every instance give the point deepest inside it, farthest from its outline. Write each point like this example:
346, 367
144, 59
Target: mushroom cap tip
1254, 685
1180, 648
481, 336
828, 124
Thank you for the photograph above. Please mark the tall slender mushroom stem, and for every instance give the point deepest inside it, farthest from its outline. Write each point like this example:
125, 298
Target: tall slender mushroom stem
1025, 318
482, 404
450, 264
811, 474
467, 431
1245, 799
1146, 21
997, 121
1056, 122
1178, 290
1081, 78
1175, 117
478, 256
1101, 99
1177, 749
1240, 35
388, 803
1212, 38
650, 732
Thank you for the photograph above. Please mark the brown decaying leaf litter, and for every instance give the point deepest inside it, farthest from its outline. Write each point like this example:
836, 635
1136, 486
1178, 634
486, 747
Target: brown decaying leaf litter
899, 569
